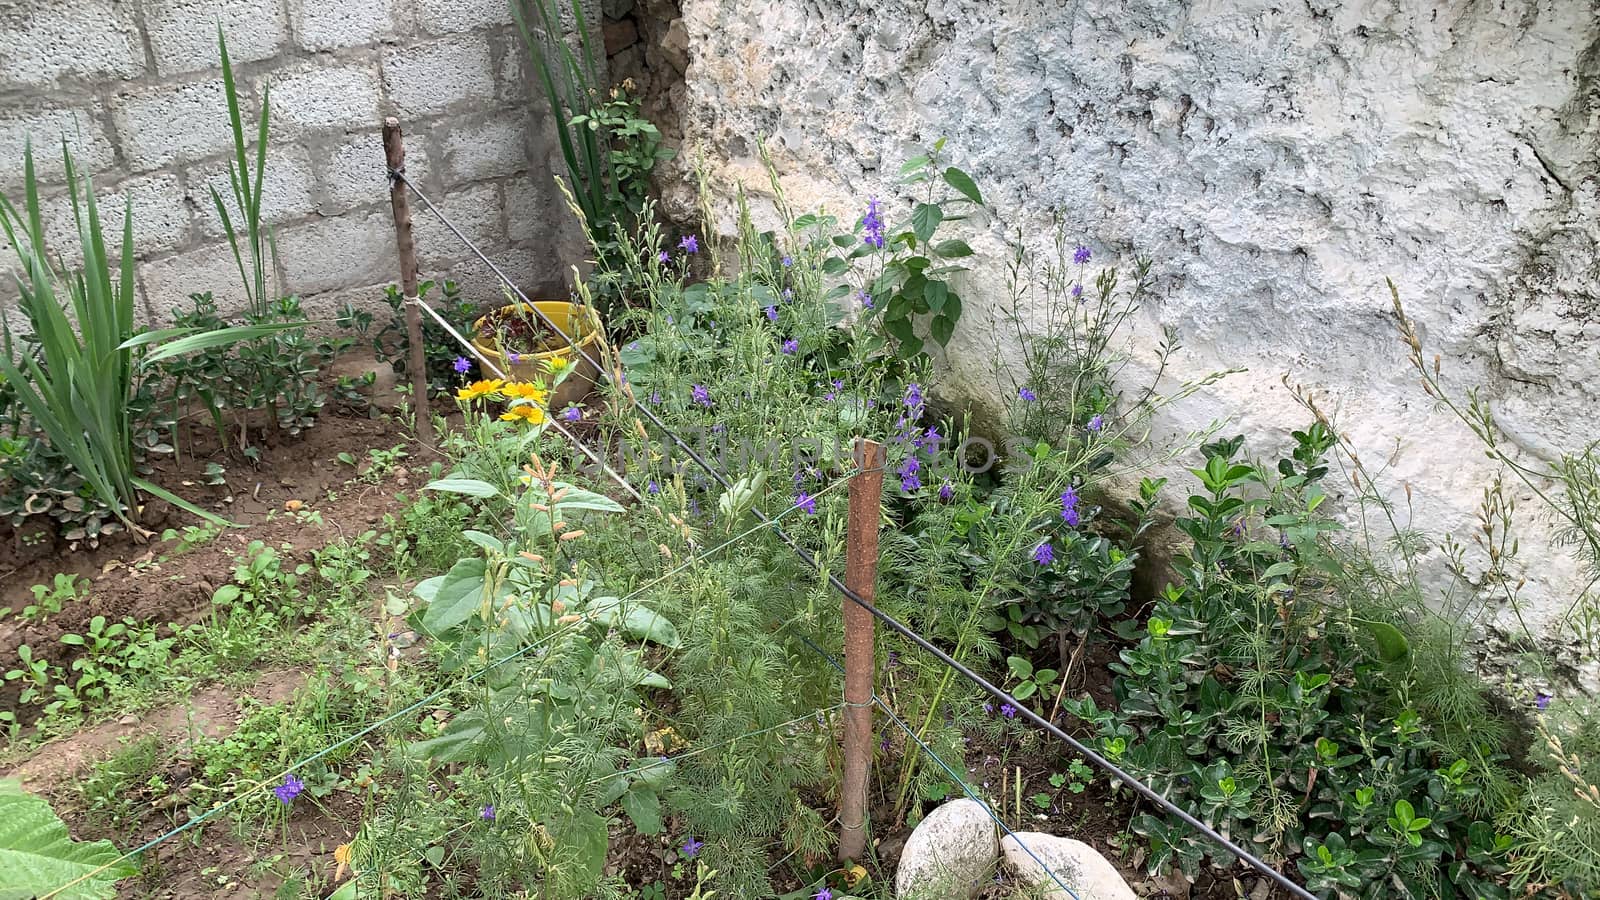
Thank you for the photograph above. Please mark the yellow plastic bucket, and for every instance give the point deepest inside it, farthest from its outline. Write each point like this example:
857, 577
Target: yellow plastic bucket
579, 322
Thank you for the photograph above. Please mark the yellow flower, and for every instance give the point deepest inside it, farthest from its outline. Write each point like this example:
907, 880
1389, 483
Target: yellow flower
528, 413
524, 390
479, 389
557, 363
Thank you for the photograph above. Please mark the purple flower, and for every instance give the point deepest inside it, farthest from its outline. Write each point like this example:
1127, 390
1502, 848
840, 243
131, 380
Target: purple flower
894, 659
866, 299
1097, 423
689, 244
572, 414
806, 503
1542, 701
290, 789
908, 474
1045, 554
701, 395
691, 847
1081, 255
461, 364
989, 708
824, 894
1027, 395
655, 398
1077, 292
663, 257
872, 224
788, 294
791, 346
772, 314
513, 358
1008, 711
652, 487
913, 398
1069, 506
946, 491
488, 813
788, 261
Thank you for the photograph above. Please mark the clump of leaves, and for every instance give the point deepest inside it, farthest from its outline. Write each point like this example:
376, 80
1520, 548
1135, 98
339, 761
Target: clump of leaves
38, 856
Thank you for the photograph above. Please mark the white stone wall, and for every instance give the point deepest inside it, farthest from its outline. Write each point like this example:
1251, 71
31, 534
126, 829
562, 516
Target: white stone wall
136, 89
1276, 160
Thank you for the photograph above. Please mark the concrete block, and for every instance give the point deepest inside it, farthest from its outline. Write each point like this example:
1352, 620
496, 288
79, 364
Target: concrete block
353, 174
85, 136
525, 267
455, 16
514, 78
287, 191
430, 78
88, 39
490, 149
326, 97
185, 121
161, 219
183, 33
324, 308
324, 25
535, 208
476, 210
334, 253
169, 280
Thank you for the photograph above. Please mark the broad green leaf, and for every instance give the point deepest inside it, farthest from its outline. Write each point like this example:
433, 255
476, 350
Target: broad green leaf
579, 499
205, 340
643, 806
455, 745
1392, 645
963, 183
833, 265
585, 834
457, 597
952, 249
429, 588
936, 293
925, 220
472, 487
637, 620
486, 541
941, 328
38, 856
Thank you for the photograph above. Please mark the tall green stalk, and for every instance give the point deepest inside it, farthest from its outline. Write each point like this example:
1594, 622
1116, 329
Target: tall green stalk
77, 387
246, 194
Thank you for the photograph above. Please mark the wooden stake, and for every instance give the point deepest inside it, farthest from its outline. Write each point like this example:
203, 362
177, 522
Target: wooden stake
394, 153
861, 574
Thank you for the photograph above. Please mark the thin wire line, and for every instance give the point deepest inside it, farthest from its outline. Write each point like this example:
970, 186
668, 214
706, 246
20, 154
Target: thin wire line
959, 780
894, 624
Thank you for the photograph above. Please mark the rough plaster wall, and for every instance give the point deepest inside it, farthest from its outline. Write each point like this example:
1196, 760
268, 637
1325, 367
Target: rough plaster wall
1276, 159
136, 87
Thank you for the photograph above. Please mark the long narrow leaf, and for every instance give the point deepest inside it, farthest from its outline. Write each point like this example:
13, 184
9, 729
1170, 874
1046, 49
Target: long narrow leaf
220, 337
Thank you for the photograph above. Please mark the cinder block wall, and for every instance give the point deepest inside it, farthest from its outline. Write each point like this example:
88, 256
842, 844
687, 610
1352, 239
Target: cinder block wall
135, 88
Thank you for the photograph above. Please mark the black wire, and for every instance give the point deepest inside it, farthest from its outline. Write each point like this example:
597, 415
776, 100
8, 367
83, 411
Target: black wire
894, 624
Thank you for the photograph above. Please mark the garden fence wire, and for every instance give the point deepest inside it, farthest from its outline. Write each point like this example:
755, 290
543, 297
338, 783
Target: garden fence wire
1000, 695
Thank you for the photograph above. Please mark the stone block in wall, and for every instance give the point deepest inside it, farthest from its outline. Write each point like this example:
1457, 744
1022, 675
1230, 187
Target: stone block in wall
161, 219
326, 306
526, 268
44, 42
91, 146
353, 173
492, 148
318, 98
476, 210
535, 207
327, 25
430, 78
183, 33
357, 248
514, 75
286, 193
455, 16
172, 122
169, 280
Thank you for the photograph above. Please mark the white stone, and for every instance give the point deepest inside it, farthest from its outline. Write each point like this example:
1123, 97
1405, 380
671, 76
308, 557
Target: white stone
320, 97
489, 149
951, 853
85, 136
430, 78
183, 33
184, 121
324, 25
286, 191
355, 248
353, 173
1275, 162
1078, 865
453, 16
47, 41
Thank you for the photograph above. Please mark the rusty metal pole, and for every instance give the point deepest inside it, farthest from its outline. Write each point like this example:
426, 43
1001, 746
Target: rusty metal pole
394, 153
861, 574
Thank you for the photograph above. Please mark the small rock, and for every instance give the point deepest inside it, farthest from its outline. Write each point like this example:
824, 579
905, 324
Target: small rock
128, 720
619, 36
675, 45
1261, 890
1081, 867
951, 853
